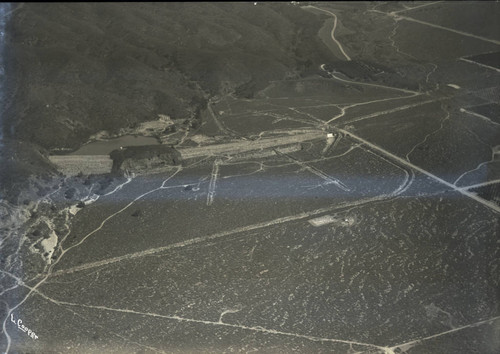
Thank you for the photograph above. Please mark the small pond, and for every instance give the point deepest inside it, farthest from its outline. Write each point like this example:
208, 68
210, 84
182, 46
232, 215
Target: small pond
104, 147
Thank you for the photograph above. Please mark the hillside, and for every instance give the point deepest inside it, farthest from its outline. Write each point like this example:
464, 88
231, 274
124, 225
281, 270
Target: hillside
75, 69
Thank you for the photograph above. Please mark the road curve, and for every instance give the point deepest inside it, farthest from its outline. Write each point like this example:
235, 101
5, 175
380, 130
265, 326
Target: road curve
333, 29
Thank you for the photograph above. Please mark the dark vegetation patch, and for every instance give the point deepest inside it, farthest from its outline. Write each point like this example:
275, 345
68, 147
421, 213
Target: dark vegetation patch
138, 157
41, 230
491, 94
490, 110
490, 192
490, 59
70, 193
19, 161
136, 213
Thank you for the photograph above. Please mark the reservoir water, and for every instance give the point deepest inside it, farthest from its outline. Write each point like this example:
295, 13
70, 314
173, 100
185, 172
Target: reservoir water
104, 147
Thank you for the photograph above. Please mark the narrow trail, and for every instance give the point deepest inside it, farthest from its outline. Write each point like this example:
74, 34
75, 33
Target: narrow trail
220, 125
463, 33
64, 251
441, 126
207, 322
405, 346
477, 185
304, 215
329, 179
343, 110
386, 155
416, 7
401, 188
479, 64
385, 152
463, 110
392, 110
406, 181
490, 205
332, 74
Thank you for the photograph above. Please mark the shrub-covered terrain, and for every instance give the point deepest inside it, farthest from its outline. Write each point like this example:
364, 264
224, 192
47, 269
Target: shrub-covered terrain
76, 69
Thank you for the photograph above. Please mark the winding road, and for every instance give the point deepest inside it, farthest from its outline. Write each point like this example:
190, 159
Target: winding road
333, 29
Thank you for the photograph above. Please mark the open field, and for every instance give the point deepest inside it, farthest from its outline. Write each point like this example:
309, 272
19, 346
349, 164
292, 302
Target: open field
463, 16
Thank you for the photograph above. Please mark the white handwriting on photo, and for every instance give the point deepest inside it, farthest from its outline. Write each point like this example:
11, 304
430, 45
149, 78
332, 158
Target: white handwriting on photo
19, 324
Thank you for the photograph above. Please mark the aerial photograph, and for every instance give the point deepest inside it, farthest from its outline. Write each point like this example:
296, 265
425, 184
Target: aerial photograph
250, 177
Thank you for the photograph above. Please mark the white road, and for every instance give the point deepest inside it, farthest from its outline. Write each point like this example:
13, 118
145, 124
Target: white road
486, 203
333, 29
415, 7
477, 185
480, 64
399, 17
344, 109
